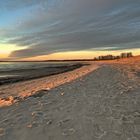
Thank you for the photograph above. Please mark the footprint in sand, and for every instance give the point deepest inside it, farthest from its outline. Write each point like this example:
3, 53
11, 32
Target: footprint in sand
68, 132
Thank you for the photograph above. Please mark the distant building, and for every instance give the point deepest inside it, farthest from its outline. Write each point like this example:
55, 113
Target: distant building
111, 57
129, 54
126, 55
123, 55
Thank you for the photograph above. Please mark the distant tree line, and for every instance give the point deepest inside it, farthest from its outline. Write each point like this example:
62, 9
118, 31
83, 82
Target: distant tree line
112, 57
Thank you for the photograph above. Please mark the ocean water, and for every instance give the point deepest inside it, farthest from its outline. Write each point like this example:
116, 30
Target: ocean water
15, 71
9, 66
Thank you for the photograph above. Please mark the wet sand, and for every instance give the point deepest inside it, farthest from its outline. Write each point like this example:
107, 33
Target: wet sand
12, 93
104, 104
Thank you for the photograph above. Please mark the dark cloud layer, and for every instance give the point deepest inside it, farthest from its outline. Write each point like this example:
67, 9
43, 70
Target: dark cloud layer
68, 25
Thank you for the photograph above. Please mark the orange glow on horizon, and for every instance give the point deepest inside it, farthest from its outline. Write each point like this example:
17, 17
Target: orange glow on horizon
7, 49
79, 55
2, 56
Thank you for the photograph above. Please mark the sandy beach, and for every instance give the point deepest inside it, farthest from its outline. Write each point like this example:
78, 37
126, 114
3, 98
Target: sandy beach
69, 69
100, 101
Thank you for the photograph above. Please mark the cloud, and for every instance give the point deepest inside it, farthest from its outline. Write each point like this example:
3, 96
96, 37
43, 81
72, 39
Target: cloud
8, 5
68, 25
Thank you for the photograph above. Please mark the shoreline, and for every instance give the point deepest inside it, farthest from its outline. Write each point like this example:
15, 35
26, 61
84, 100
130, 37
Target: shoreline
12, 93
31, 74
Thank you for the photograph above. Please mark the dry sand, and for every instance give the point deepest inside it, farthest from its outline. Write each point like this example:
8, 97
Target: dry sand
102, 105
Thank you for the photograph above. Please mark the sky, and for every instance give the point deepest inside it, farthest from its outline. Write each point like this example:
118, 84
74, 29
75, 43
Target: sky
68, 29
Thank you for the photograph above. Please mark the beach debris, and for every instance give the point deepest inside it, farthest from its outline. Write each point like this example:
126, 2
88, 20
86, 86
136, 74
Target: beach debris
40, 104
61, 122
48, 88
121, 92
33, 113
17, 99
39, 93
49, 122
62, 93
130, 87
2, 131
29, 126
37, 114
